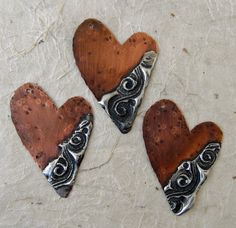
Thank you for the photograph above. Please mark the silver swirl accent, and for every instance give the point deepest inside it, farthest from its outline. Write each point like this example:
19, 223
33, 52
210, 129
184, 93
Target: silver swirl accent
62, 171
186, 181
122, 103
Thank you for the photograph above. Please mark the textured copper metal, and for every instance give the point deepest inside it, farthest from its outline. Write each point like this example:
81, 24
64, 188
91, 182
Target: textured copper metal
170, 143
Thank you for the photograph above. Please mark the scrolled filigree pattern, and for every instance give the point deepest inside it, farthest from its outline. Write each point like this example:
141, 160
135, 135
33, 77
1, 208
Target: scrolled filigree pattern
209, 155
190, 175
122, 104
62, 171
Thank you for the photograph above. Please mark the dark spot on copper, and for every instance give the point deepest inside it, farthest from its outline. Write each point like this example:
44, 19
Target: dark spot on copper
211, 134
39, 155
208, 124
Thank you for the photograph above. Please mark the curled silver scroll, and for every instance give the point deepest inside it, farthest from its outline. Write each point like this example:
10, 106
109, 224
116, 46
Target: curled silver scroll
190, 175
122, 103
62, 171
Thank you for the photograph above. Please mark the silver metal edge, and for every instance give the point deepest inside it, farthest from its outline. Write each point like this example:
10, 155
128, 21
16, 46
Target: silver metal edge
203, 172
149, 59
63, 188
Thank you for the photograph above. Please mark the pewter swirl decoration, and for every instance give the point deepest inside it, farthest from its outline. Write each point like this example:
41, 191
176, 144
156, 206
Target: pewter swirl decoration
62, 171
190, 175
122, 104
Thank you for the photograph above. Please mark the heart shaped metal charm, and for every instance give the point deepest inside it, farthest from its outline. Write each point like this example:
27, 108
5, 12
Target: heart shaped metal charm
116, 74
55, 138
180, 158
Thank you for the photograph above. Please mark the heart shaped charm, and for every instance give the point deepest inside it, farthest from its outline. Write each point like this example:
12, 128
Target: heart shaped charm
180, 158
56, 138
116, 74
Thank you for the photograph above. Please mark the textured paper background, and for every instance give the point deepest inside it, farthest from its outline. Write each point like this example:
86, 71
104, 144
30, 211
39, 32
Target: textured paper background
116, 187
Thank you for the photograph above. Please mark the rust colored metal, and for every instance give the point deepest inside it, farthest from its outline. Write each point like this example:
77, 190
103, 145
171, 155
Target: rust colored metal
180, 158
169, 141
102, 60
41, 125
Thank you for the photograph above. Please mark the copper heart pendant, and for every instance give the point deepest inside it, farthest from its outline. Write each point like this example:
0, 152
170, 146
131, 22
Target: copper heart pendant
56, 138
116, 74
180, 158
